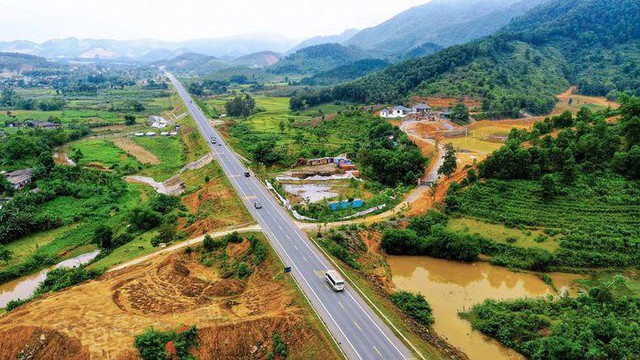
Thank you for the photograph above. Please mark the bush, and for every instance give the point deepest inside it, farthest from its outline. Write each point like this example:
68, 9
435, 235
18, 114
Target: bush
151, 344
414, 305
401, 242
243, 270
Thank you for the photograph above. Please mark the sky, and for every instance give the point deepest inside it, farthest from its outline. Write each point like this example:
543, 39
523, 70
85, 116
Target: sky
39, 20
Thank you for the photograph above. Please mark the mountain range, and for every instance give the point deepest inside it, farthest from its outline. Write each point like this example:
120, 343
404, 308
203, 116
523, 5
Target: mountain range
149, 49
593, 44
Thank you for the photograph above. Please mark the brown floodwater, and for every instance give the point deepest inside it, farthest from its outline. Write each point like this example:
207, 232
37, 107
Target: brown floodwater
25, 286
452, 287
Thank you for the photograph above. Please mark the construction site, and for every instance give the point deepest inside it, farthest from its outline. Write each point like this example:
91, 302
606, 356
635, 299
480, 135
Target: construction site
235, 317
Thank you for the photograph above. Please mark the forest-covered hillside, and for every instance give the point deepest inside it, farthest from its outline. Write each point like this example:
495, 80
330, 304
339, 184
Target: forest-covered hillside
594, 44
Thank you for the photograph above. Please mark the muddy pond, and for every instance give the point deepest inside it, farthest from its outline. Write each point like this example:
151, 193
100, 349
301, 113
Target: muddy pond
452, 287
25, 286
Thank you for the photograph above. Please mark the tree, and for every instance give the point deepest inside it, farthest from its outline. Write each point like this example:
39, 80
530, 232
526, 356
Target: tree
549, 186
449, 164
460, 114
129, 120
5, 254
144, 218
5, 186
265, 152
282, 126
239, 106
208, 243
103, 236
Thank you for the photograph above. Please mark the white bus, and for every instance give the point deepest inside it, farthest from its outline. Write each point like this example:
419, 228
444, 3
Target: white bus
335, 280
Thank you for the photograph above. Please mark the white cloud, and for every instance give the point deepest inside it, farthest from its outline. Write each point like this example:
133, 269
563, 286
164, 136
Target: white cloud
189, 19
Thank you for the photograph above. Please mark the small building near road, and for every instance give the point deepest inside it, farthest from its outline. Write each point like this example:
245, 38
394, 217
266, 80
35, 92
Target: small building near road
421, 109
19, 178
157, 122
395, 112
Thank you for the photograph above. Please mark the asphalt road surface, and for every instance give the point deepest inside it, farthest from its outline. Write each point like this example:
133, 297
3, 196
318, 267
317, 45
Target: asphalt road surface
359, 331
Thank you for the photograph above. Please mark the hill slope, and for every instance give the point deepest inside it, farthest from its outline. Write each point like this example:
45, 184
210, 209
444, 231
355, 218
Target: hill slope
18, 63
319, 40
442, 22
594, 44
318, 58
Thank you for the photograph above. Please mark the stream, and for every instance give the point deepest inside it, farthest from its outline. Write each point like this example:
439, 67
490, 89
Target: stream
24, 287
451, 287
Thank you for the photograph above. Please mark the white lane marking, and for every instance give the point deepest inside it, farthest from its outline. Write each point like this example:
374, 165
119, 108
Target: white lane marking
376, 349
340, 303
358, 326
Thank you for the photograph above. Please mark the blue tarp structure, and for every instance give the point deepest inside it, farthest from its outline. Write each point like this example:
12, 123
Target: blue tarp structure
341, 205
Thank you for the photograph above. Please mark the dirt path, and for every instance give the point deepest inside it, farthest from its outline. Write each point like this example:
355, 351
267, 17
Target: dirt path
190, 242
141, 154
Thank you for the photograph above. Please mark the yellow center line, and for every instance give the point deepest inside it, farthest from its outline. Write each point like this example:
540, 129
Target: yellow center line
376, 349
358, 326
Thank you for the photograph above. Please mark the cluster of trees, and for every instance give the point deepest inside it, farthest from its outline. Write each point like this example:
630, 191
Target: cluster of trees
9, 99
388, 156
583, 181
414, 305
594, 145
427, 235
213, 251
22, 216
240, 106
32, 146
595, 325
200, 88
152, 344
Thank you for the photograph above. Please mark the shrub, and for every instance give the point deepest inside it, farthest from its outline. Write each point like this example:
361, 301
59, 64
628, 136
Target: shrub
414, 305
243, 270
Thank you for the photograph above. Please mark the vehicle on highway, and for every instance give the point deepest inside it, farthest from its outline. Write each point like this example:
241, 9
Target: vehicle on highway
219, 144
213, 141
257, 205
247, 174
335, 280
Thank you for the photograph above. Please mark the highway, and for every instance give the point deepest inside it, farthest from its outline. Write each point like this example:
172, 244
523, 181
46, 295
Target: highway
359, 331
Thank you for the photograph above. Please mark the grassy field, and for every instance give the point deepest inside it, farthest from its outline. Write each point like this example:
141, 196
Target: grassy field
169, 150
265, 125
104, 154
499, 233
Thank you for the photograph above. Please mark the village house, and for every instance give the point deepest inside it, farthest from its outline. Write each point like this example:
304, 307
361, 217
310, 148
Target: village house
42, 124
421, 109
157, 122
395, 112
19, 178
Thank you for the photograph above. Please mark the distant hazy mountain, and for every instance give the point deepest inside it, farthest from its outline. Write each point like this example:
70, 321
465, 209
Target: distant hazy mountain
318, 58
319, 40
194, 64
441, 22
258, 60
149, 49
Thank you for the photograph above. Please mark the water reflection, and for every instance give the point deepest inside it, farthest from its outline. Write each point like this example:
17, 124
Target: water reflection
25, 286
452, 287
